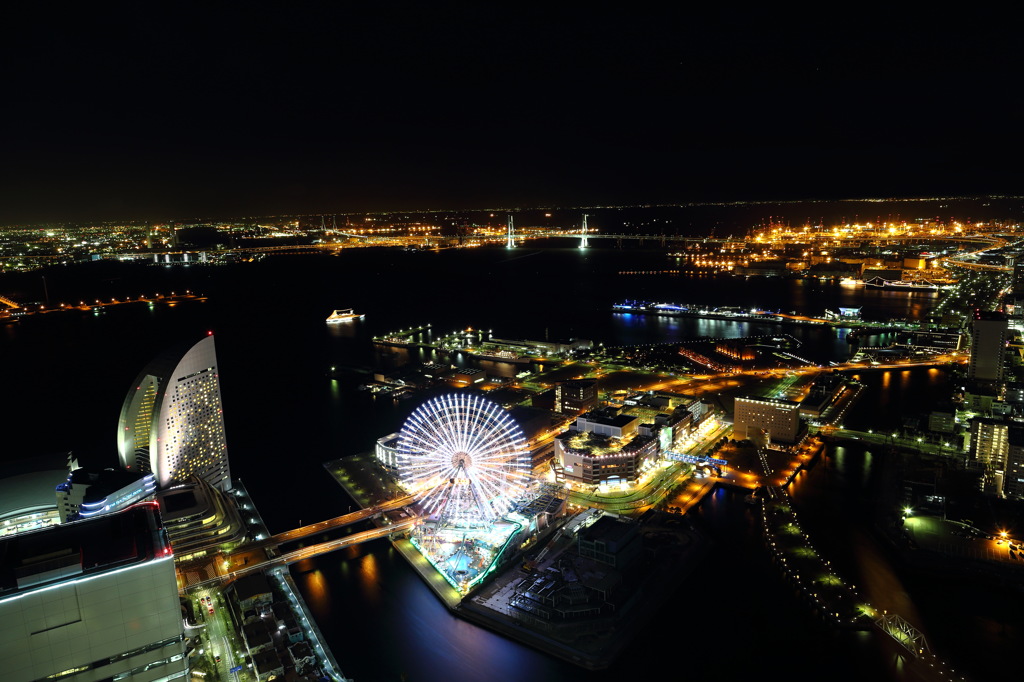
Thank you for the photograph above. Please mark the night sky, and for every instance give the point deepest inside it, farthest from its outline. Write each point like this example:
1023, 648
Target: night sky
232, 109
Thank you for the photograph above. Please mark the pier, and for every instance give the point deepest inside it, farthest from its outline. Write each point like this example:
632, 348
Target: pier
832, 598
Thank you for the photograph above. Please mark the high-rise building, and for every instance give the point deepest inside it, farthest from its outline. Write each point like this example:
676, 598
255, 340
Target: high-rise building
990, 446
92, 601
1013, 478
988, 346
1018, 279
172, 422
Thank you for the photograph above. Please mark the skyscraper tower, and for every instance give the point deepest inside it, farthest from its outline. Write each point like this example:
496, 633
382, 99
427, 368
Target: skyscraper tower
584, 242
172, 422
510, 243
988, 346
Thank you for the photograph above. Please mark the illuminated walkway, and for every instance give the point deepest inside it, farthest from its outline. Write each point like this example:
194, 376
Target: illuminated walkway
252, 556
830, 597
300, 554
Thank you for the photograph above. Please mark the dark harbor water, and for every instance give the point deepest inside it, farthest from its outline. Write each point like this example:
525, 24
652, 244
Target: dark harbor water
65, 377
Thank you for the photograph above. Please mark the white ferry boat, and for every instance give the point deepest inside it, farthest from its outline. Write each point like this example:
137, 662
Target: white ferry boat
346, 315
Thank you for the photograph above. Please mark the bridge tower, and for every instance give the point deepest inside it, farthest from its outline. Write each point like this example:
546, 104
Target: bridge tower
510, 241
584, 242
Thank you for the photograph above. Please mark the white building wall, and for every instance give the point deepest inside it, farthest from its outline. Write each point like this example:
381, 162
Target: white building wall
75, 623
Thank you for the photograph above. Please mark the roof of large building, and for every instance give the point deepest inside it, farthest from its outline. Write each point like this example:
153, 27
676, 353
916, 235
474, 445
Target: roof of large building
609, 530
776, 401
30, 484
84, 547
103, 482
250, 586
605, 418
595, 445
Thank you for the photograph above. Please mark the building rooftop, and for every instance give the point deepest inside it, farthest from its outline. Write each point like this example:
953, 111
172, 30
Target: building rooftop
96, 545
777, 401
29, 484
251, 586
104, 482
609, 530
595, 444
606, 418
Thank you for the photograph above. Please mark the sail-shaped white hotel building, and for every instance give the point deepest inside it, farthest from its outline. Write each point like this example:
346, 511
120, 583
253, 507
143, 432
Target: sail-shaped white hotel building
172, 422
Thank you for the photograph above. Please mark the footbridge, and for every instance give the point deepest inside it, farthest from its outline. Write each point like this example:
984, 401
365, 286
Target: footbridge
336, 522
252, 557
249, 559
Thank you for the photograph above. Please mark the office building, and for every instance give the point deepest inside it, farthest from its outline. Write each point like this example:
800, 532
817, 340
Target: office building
988, 346
92, 601
1013, 478
1018, 279
990, 446
172, 422
779, 420
573, 397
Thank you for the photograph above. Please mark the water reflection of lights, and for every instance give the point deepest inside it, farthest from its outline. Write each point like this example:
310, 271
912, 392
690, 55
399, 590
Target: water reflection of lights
368, 569
316, 588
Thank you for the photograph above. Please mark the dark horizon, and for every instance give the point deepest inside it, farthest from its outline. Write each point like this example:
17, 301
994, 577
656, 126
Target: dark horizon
1010, 212
215, 112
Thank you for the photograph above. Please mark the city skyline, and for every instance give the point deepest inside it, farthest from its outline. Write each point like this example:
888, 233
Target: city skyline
284, 424
712, 151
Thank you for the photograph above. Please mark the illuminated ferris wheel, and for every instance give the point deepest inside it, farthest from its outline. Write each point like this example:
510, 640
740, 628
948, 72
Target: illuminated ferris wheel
466, 457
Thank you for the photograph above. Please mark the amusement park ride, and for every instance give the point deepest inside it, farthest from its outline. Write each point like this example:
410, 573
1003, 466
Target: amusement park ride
468, 462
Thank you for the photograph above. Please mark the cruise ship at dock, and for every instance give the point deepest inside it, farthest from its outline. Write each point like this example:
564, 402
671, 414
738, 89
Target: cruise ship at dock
901, 285
683, 310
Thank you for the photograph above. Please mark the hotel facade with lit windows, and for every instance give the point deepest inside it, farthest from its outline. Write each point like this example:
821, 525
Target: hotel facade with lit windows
778, 419
172, 422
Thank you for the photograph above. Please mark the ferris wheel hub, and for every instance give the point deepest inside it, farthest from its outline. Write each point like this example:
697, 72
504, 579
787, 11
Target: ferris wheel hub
462, 460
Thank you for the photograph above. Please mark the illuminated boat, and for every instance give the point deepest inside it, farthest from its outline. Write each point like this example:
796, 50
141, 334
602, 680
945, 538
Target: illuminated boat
901, 285
346, 315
